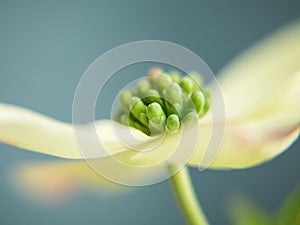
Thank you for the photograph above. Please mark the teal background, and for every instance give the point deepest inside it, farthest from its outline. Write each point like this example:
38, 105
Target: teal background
45, 46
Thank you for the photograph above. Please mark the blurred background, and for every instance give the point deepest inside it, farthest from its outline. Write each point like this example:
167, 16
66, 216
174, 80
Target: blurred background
45, 47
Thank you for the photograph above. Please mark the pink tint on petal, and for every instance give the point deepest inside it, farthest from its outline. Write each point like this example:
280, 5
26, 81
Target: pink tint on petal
284, 132
47, 185
155, 72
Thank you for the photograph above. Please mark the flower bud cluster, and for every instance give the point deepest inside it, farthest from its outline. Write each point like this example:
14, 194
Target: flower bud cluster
163, 102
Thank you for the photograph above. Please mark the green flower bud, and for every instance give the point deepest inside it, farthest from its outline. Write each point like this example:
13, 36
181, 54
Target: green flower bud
199, 100
142, 128
173, 94
157, 125
175, 76
132, 120
143, 87
143, 119
197, 78
152, 96
154, 74
190, 118
206, 107
172, 108
165, 106
124, 119
173, 99
137, 107
188, 84
163, 82
156, 118
125, 99
154, 110
173, 123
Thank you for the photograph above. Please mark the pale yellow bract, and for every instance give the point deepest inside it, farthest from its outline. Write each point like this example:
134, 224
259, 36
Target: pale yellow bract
261, 89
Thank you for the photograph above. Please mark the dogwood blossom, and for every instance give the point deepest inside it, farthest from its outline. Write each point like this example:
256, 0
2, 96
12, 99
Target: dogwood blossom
262, 100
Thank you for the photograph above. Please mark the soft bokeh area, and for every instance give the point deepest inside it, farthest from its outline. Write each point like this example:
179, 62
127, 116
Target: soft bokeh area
45, 47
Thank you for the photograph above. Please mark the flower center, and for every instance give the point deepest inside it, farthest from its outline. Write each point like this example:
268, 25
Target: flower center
163, 102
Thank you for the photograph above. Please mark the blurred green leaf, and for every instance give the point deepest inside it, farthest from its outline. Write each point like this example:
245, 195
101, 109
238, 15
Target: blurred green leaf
243, 211
289, 213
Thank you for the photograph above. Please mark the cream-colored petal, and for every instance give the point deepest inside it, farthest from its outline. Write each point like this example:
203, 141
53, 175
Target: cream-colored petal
26, 129
56, 181
36, 132
244, 145
259, 136
256, 75
171, 148
262, 99
282, 110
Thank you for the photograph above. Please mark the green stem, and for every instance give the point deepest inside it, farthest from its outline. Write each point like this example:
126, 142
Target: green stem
186, 196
